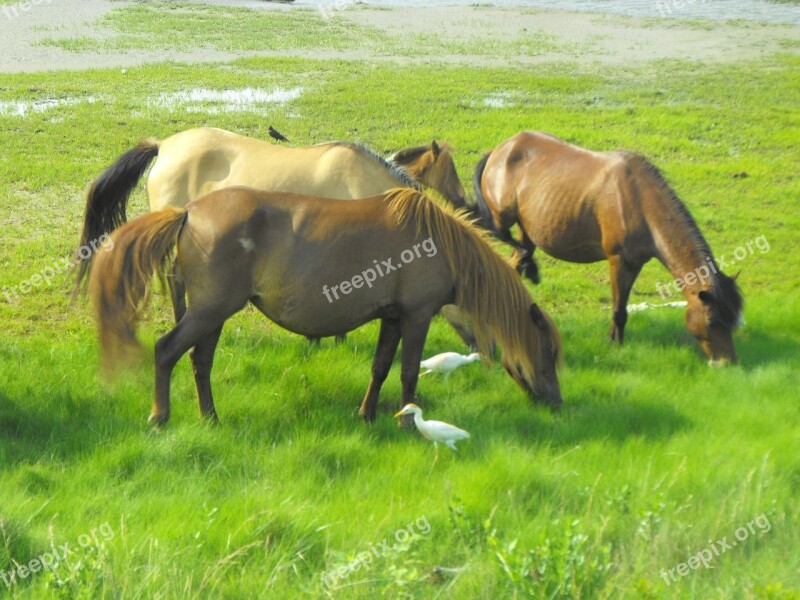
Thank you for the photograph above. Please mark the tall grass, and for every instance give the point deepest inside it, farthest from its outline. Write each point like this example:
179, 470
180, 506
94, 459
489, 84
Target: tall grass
653, 455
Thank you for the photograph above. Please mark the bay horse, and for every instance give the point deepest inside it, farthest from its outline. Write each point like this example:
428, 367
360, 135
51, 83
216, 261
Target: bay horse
282, 251
197, 161
583, 206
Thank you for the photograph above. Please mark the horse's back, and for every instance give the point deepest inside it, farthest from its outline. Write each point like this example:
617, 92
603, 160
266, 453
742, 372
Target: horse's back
198, 161
291, 253
561, 193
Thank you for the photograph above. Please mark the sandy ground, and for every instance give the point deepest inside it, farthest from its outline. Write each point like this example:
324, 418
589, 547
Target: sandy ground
598, 38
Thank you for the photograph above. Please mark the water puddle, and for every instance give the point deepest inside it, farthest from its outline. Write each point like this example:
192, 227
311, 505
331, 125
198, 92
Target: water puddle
506, 99
22, 108
223, 101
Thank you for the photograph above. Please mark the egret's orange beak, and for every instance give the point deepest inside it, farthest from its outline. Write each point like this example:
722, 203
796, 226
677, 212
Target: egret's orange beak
400, 414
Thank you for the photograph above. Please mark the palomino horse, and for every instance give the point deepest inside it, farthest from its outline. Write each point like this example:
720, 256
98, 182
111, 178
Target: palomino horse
584, 206
287, 254
433, 167
195, 162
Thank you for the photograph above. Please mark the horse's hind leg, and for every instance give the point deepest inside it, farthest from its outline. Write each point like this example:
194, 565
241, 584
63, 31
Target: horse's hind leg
527, 264
177, 291
193, 329
202, 356
623, 274
388, 339
524, 253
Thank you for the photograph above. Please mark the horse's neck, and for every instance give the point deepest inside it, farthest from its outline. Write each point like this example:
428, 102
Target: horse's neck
679, 244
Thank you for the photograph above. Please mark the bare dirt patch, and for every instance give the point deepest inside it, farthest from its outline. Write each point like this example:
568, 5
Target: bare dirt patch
578, 37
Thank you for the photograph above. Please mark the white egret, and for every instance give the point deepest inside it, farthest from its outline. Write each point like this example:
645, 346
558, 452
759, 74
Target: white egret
436, 431
447, 362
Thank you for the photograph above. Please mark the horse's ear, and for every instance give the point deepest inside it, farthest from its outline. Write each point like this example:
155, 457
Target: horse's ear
733, 278
705, 296
538, 316
435, 148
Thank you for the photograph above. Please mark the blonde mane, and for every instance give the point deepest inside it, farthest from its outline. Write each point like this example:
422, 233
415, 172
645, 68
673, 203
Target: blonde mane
487, 288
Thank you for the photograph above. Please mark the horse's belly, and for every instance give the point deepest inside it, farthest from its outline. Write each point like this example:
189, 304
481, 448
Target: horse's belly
318, 309
571, 238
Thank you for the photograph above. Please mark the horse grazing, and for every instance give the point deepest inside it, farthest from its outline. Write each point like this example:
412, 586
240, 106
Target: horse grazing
583, 206
433, 166
287, 254
195, 162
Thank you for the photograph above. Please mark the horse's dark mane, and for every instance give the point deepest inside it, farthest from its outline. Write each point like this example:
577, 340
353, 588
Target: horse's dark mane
728, 308
397, 171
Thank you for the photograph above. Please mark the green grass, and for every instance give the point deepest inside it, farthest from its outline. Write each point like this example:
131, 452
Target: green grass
653, 455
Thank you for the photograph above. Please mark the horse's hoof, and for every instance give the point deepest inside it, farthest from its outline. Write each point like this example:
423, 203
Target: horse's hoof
367, 415
211, 419
157, 420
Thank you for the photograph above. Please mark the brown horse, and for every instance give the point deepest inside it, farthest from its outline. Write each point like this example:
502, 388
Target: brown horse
584, 206
195, 162
312, 266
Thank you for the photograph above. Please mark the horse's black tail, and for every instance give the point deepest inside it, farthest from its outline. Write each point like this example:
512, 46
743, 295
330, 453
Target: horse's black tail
107, 200
480, 209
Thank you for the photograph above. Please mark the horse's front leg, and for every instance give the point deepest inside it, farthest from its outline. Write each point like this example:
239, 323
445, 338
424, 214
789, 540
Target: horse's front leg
388, 339
623, 274
415, 330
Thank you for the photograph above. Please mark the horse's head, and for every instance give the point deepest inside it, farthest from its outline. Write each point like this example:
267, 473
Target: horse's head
545, 358
433, 167
712, 315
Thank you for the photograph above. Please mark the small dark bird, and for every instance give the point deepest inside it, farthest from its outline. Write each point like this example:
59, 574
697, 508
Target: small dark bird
276, 135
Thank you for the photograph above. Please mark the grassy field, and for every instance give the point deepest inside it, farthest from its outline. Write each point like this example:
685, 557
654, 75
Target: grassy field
654, 458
